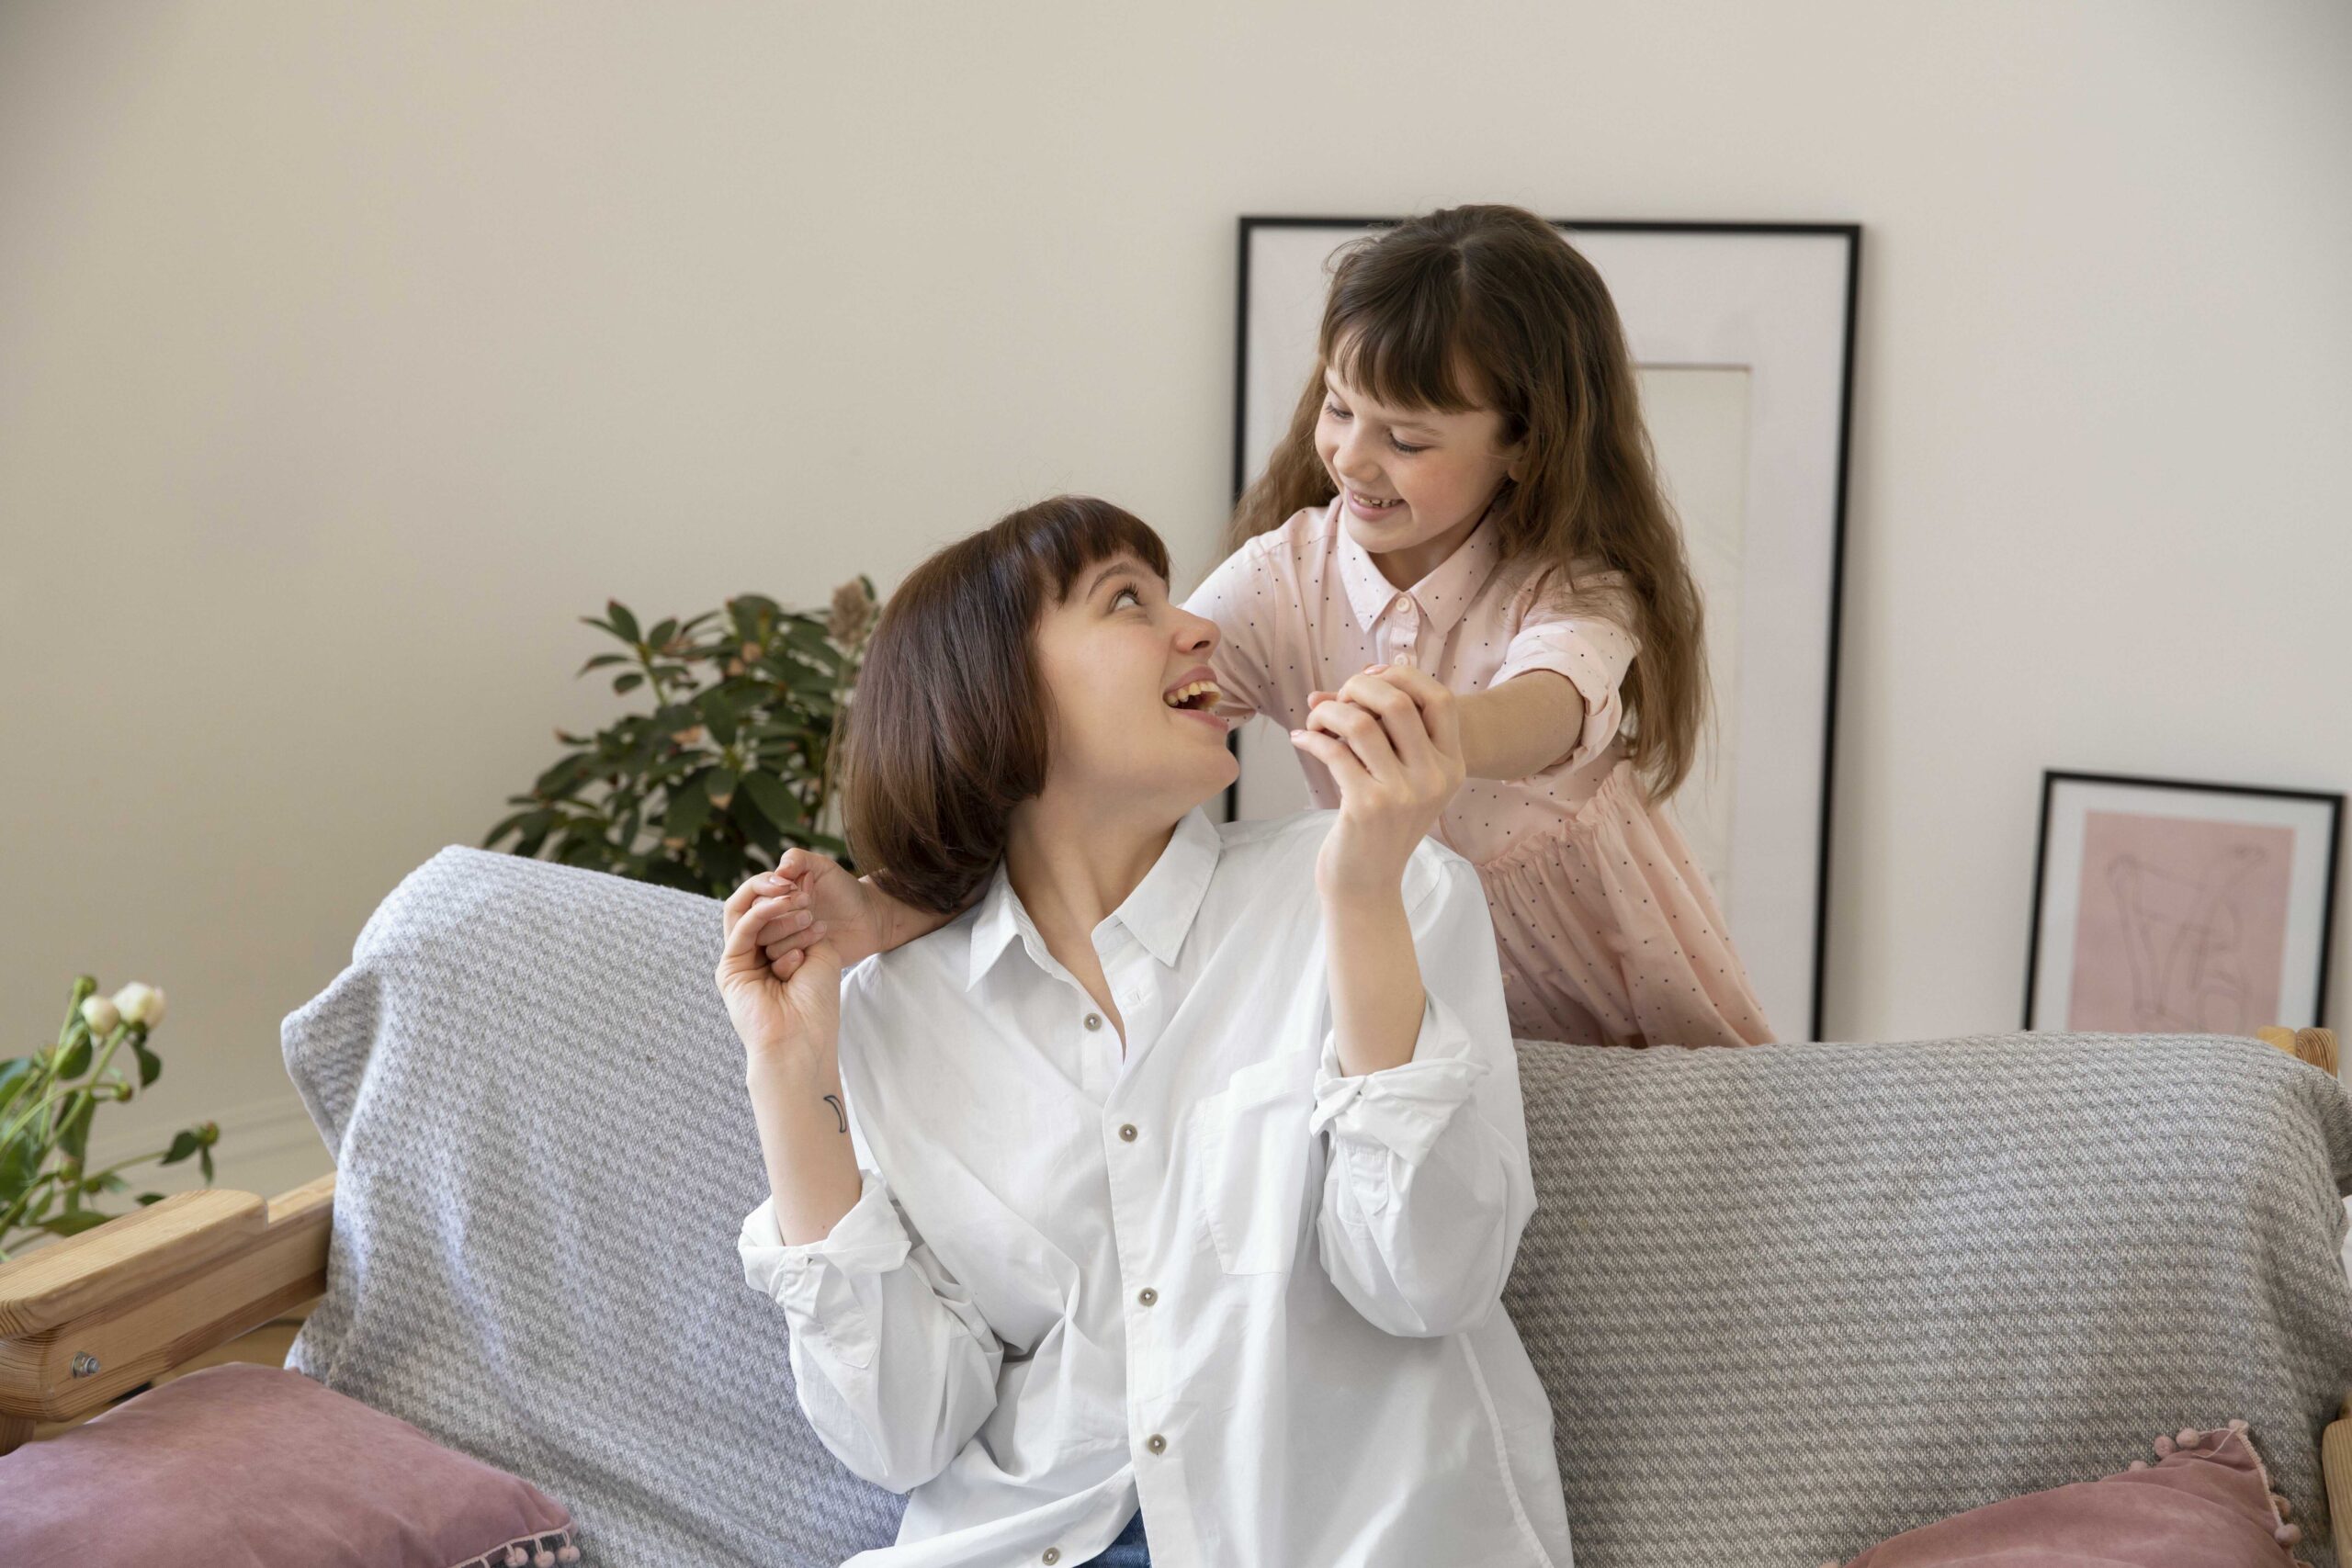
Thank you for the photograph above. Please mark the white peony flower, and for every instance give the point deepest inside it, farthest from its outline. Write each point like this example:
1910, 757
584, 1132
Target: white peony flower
101, 1015
140, 1003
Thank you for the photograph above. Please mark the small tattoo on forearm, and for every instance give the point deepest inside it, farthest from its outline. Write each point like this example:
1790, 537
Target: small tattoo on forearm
834, 1101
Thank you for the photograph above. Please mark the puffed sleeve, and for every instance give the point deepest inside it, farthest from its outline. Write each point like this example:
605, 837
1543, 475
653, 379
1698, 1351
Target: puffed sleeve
894, 1365
1589, 646
1245, 597
1427, 1187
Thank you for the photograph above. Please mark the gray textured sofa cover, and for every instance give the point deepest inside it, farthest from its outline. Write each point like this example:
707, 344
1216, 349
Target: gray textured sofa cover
1787, 1299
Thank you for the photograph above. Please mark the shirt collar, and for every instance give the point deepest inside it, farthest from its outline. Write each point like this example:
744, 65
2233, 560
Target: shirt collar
1158, 912
1442, 595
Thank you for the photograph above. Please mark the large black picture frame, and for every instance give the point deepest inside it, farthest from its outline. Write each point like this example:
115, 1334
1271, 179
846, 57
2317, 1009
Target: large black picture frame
1779, 302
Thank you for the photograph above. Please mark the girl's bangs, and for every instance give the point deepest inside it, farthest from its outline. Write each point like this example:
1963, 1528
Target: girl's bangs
1403, 350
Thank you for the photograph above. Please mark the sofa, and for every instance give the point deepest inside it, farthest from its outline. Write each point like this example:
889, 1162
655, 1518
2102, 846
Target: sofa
1787, 1300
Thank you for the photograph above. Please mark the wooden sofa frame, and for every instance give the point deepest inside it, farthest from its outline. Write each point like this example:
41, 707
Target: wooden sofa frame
87, 1319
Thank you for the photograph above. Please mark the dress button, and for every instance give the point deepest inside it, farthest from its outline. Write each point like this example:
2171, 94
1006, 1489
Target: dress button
1155, 1443
1093, 1020
1147, 1295
1052, 1554
1127, 1132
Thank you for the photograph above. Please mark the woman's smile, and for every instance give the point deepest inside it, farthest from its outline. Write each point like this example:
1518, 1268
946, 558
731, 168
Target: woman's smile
1195, 695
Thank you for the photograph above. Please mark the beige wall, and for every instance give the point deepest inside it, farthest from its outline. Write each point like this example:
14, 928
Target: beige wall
347, 354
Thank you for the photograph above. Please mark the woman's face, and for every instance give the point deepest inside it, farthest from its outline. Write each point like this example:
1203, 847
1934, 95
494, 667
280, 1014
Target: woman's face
1127, 672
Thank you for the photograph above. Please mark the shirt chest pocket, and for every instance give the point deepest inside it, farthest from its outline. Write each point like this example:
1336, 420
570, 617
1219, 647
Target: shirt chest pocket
1259, 1163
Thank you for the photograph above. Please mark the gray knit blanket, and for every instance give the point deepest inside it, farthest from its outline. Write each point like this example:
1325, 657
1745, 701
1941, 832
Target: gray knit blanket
1787, 1300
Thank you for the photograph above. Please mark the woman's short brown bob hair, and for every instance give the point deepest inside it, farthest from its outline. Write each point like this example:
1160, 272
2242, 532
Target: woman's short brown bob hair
949, 725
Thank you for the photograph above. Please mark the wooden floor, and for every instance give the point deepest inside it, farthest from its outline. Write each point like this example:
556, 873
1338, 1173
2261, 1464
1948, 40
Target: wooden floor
267, 1345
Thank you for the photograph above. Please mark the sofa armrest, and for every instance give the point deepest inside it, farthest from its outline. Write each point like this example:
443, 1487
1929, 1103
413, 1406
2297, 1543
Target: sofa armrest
90, 1317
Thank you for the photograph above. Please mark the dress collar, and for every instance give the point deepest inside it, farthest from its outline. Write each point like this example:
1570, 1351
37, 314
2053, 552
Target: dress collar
1158, 912
1442, 595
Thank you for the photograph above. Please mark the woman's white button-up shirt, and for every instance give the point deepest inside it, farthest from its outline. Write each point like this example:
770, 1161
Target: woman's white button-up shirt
1211, 1276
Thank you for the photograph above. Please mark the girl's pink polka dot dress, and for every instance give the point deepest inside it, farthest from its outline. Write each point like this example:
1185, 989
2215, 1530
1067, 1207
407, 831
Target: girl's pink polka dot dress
1608, 931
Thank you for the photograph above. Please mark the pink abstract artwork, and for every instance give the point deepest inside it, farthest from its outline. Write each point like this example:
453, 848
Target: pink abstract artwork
2182, 925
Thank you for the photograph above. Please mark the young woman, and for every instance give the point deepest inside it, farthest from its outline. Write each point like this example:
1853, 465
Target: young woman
1178, 1178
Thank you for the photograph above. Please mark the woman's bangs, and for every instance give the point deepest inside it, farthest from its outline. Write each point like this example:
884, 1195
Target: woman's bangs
1077, 533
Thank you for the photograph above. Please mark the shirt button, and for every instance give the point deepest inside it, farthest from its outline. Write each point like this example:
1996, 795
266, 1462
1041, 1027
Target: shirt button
1093, 1020
1127, 1132
1404, 603
1052, 1554
1155, 1443
1147, 1295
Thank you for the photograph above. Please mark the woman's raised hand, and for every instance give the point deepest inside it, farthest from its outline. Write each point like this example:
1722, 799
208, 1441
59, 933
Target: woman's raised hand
788, 1009
1391, 739
821, 900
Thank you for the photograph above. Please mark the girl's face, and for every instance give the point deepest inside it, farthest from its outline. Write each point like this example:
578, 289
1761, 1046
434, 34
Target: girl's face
1413, 482
1127, 672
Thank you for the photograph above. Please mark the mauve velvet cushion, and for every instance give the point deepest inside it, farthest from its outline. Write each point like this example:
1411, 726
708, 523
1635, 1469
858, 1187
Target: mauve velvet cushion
249, 1466
2207, 1500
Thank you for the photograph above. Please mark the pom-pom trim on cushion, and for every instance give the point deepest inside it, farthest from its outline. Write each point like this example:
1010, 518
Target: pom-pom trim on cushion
542, 1551
2191, 1440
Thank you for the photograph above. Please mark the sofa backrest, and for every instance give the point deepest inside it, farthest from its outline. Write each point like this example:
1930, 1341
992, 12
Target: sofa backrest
1787, 1299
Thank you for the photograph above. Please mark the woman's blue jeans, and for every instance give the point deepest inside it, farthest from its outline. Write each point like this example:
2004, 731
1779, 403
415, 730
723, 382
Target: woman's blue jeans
1127, 1551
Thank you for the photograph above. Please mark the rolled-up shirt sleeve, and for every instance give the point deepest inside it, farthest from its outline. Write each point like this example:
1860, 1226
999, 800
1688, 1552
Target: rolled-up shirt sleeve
1427, 1187
894, 1366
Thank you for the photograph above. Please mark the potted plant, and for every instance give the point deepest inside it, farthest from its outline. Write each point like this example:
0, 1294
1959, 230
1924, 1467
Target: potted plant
734, 763
47, 1102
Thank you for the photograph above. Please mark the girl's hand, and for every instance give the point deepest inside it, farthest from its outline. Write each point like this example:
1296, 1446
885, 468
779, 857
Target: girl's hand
818, 899
787, 1012
1392, 741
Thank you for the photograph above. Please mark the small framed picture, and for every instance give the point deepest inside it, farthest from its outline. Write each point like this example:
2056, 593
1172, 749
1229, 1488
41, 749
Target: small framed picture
2165, 906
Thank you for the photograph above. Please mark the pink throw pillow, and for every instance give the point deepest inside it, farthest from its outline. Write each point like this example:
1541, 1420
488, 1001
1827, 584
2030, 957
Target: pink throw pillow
260, 1466
2206, 1500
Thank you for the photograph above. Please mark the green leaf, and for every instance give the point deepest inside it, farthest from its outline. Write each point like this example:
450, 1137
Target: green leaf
76, 1222
150, 1067
147, 1198
601, 661
689, 807
17, 1075
775, 802
627, 684
19, 1164
623, 622
77, 1060
204, 1161
719, 715
74, 1133
183, 1144
659, 637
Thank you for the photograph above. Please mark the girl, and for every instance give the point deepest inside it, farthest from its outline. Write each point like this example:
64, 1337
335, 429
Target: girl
1466, 490
1180, 1177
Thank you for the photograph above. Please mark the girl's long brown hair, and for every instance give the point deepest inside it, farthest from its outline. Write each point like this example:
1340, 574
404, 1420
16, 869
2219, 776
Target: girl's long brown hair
1491, 306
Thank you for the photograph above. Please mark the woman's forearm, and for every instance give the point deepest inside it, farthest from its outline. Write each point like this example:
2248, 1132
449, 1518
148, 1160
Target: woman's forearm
1522, 727
1376, 997
805, 1142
